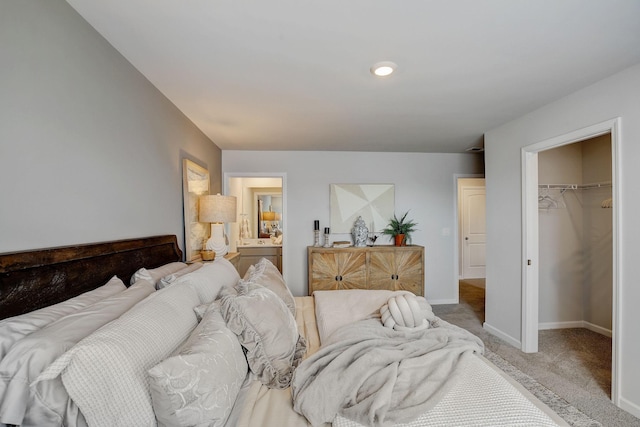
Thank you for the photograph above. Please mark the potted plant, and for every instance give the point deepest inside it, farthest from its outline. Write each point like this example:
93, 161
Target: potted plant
400, 229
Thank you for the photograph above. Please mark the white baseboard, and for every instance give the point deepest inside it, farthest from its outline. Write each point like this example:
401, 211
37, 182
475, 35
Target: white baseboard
497, 332
443, 301
630, 407
575, 324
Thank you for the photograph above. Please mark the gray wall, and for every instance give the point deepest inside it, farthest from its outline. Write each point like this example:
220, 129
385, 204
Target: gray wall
616, 96
89, 149
424, 185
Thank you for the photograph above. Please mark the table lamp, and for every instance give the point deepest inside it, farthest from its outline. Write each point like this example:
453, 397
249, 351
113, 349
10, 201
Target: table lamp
217, 210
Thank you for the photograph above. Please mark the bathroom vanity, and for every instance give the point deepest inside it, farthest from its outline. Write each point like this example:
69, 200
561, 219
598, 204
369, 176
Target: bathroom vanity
252, 251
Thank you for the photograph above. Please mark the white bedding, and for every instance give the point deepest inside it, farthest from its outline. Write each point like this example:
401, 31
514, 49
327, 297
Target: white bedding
15, 328
489, 397
44, 404
483, 397
106, 375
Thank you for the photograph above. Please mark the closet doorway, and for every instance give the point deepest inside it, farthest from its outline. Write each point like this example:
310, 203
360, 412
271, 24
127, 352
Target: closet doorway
570, 241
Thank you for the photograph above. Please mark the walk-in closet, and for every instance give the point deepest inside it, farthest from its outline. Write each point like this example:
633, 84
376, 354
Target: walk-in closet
575, 249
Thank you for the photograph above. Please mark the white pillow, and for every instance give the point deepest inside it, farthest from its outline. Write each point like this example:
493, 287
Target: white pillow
266, 274
210, 279
200, 385
154, 275
169, 279
341, 307
32, 354
105, 374
267, 330
14, 328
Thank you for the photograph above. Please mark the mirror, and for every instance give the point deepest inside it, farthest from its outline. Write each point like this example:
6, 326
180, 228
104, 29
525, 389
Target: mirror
268, 212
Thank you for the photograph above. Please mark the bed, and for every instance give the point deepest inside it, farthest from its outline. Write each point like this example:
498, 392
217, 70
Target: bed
124, 334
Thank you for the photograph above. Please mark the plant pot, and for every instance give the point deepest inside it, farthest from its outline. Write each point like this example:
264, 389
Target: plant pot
400, 240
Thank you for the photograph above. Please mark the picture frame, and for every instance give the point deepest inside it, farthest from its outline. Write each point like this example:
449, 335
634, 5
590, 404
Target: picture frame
375, 203
195, 183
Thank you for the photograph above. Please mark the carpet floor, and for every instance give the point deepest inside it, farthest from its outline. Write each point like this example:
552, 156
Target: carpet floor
575, 364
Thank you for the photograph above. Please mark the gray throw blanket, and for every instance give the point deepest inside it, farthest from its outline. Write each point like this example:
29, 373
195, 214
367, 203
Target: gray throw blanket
378, 376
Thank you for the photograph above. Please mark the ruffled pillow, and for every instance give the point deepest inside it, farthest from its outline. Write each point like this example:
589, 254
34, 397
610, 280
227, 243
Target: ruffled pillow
267, 330
266, 274
406, 311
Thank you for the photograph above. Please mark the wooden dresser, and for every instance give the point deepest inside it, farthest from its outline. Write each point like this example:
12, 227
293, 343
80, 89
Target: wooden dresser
376, 267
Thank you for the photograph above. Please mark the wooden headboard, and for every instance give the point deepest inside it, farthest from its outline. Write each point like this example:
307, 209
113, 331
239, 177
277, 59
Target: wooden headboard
34, 279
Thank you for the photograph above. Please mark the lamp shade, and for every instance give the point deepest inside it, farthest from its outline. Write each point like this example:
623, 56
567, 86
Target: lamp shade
268, 216
217, 208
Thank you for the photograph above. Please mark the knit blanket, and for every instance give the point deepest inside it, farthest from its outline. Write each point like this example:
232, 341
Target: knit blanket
379, 376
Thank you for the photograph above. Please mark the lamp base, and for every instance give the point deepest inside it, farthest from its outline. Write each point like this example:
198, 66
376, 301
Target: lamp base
217, 242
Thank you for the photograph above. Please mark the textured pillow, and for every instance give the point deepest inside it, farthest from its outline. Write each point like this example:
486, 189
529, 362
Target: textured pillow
209, 280
267, 330
14, 328
405, 312
266, 274
199, 386
105, 374
154, 275
167, 280
32, 354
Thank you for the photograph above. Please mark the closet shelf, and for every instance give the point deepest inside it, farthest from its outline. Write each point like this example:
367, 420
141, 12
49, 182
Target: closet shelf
576, 186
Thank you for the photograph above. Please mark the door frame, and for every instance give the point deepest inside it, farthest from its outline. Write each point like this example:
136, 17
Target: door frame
461, 237
530, 237
456, 234
283, 177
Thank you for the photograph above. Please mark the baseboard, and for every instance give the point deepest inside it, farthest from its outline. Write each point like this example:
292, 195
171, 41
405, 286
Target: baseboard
575, 324
443, 301
630, 407
497, 332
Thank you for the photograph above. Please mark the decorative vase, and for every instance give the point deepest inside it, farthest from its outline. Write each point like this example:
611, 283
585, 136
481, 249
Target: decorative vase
360, 233
400, 240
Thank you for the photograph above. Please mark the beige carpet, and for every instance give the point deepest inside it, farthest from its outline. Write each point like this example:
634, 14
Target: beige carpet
575, 364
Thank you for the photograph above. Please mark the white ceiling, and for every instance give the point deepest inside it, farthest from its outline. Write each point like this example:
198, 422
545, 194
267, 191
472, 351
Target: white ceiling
294, 74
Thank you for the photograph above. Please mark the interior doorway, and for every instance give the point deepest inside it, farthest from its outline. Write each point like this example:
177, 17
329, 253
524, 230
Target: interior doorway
536, 305
470, 233
262, 212
472, 227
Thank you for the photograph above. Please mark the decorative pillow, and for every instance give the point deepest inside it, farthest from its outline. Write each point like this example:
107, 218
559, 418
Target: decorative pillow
200, 311
105, 374
14, 328
209, 280
404, 312
200, 385
155, 274
32, 354
167, 280
267, 330
266, 274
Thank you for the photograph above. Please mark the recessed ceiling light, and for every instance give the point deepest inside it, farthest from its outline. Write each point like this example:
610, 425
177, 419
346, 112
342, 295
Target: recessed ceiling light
384, 68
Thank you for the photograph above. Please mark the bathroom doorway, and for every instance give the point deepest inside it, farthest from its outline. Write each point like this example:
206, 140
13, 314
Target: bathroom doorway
262, 216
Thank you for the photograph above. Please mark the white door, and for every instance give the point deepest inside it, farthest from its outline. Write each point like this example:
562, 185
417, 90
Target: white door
473, 236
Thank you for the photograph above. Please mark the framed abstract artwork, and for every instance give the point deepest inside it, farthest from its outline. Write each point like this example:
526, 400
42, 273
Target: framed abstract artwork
375, 203
195, 183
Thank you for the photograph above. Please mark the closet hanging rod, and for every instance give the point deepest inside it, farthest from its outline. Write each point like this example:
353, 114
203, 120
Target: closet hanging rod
575, 186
